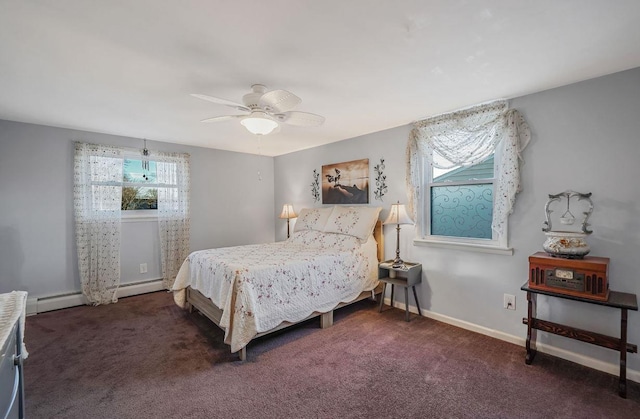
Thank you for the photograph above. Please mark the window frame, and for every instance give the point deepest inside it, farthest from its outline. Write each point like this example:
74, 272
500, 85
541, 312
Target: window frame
496, 245
88, 155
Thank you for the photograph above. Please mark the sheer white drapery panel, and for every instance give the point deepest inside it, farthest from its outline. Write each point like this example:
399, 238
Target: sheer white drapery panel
174, 221
468, 137
97, 197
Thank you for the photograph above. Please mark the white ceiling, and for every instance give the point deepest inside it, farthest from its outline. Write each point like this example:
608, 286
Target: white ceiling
128, 67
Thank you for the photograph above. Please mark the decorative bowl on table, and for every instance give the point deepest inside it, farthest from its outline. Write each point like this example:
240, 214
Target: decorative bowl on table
566, 244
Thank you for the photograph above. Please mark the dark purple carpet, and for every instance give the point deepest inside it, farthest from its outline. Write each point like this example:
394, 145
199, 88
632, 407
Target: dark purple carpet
145, 358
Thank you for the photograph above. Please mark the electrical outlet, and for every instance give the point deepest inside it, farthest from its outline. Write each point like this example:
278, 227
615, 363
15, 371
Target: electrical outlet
143, 268
509, 302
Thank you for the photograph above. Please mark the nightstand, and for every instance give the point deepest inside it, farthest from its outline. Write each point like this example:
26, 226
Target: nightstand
406, 276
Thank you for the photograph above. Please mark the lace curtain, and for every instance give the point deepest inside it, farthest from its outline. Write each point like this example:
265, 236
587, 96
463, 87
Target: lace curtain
98, 178
173, 212
465, 138
97, 196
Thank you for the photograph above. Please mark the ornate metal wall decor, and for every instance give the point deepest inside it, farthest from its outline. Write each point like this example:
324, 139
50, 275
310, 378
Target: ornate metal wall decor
315, 186
570, 243
381, 180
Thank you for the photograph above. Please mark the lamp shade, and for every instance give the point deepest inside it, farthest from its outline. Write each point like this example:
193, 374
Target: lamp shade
259, 123
288, 212
398, 215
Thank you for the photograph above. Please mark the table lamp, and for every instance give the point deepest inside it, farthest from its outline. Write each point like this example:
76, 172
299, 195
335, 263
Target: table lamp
288, 213
398, 215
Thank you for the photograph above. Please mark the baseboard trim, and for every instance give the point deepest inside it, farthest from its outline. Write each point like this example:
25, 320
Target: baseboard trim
596, 364
57, 302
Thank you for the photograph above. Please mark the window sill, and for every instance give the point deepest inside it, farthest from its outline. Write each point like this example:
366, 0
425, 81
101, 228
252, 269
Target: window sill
139, 216
472, 247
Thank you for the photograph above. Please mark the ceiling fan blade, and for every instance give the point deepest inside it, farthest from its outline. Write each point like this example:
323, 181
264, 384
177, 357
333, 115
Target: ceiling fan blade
300, 119
222, 118
221, 102
277, 101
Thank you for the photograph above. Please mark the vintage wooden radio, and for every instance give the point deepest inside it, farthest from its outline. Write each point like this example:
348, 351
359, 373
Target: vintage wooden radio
586, 278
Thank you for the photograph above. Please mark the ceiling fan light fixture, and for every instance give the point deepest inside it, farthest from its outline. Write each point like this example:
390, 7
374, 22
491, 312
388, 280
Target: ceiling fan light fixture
264, 110
259, 123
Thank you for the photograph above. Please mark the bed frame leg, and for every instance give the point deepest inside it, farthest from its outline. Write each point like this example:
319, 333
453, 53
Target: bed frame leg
243, 354
326, 320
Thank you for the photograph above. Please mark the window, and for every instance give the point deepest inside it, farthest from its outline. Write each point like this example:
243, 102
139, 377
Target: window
463, 176
139, 185
458, 205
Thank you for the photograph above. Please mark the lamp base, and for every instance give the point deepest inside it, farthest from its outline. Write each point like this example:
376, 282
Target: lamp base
398, 263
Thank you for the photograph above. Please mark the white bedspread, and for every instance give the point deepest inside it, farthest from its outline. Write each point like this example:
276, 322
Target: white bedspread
260, 286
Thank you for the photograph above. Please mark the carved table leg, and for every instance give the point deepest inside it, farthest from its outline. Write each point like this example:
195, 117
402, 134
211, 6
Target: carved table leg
531, 332
622, 384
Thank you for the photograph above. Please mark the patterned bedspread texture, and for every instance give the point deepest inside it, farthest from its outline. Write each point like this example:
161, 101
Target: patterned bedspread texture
260, 286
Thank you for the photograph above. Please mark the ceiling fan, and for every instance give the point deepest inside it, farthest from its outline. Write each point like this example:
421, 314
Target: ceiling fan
265, 110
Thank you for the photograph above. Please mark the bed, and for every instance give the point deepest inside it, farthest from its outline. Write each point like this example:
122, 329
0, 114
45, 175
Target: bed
329, 261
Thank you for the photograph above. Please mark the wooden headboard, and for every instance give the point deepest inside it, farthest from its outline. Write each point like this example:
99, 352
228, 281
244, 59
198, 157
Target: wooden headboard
377, 234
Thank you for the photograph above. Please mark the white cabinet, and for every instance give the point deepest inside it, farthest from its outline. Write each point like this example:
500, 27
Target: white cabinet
12, 311
11, 378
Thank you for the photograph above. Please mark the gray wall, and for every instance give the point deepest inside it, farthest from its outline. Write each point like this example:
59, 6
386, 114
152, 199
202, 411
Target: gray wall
230, 205
585, 137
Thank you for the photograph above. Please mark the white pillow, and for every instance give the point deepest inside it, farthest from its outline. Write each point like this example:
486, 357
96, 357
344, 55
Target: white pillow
312, 219
353, 221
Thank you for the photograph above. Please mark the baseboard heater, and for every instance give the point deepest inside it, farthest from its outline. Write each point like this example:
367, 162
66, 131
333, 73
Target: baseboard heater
57, 302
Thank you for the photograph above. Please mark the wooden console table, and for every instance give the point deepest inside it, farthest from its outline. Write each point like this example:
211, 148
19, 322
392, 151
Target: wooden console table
623, 301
